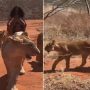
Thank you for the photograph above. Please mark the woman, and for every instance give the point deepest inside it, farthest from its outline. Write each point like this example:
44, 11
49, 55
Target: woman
16, 22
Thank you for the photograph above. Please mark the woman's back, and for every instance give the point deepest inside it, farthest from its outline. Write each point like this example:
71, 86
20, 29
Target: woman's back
17, 22
18, 25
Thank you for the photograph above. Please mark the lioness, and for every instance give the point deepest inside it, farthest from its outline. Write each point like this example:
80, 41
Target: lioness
14, 51
66, 50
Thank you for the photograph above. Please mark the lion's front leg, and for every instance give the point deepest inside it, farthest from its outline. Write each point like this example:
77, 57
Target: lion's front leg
67, 62
12, 78
22, 71
56, 62
13, 67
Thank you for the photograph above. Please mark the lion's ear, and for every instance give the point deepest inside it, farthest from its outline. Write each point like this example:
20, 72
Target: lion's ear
53, 42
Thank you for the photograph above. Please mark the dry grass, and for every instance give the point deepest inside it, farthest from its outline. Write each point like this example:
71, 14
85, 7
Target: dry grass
65, 82
63, 27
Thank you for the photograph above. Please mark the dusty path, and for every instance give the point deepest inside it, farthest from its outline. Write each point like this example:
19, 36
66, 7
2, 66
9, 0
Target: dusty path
33, 79
83, 73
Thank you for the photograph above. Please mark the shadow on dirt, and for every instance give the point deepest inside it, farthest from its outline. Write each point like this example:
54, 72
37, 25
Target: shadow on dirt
78, 69
50, 71
3, 82
37, 67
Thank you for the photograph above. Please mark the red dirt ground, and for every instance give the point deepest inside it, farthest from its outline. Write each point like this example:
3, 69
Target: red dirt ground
33, 79
83, 73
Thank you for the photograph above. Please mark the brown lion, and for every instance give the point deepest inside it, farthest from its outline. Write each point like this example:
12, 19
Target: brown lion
66, 50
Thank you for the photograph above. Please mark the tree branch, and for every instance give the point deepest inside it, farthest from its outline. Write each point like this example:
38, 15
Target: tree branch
88, 7
62, 6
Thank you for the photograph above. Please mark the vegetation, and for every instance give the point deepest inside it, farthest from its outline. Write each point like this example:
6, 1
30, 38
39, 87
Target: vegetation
62, 27
59, 5
65, 82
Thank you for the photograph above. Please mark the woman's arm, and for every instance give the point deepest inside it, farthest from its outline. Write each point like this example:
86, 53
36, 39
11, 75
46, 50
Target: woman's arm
9, 27
22, 20
10, 21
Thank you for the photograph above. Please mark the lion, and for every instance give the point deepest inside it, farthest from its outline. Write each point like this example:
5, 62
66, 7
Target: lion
66, 50
14, 50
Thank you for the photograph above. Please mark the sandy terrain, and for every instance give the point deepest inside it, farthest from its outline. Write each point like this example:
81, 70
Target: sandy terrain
33, 79
83, 73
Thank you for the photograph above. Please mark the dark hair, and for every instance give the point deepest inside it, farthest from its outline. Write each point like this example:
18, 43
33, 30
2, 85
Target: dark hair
17, 11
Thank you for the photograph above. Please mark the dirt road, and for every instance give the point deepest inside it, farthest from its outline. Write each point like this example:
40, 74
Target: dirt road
83, 73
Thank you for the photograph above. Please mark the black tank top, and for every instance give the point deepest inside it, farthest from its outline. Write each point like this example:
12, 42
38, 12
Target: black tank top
18, 26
